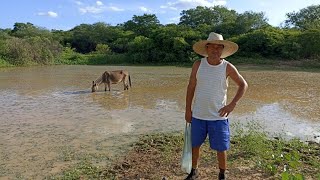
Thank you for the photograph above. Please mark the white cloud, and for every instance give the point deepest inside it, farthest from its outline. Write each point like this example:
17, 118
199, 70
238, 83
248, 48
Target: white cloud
144, 9
97, 8
49, 13
78, 2
92, 9
168, 7
187, 4
99, 3
113, 8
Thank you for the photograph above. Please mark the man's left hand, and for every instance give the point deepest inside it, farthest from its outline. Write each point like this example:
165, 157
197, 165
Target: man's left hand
226, 110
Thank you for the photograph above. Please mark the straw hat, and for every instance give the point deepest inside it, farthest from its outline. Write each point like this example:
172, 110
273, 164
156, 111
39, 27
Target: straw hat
214, 38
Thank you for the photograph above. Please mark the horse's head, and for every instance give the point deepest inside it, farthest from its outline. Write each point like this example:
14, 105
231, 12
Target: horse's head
94, 87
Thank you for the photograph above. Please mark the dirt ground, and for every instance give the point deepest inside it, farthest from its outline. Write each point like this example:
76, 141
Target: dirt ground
153, 160
147, 165
157, 157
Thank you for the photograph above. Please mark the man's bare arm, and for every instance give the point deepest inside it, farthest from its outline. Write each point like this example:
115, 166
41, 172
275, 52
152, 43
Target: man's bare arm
190, 90
233, 73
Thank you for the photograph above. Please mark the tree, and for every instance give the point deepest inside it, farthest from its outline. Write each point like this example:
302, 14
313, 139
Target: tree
310, 41
262, 42
307, 18
23, 30
142, 25
213, 16
82, 38
140, 49
249, 20
103, 49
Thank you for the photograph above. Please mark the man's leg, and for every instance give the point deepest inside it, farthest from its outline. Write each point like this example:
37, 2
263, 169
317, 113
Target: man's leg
219, 137
222, 160
195, 157
198, 135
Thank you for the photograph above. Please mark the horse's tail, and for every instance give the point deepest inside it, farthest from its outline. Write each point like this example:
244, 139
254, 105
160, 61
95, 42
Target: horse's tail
129, 80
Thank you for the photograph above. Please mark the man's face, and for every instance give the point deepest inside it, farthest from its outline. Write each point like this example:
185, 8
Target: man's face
214, 50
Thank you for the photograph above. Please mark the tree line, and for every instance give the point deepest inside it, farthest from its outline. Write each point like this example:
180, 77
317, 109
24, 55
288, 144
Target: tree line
143, 40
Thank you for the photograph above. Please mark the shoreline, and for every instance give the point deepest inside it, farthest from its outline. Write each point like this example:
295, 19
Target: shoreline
241, 62
252, 155
153, 157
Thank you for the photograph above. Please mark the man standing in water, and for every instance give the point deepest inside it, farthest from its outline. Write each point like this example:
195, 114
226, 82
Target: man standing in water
208, 87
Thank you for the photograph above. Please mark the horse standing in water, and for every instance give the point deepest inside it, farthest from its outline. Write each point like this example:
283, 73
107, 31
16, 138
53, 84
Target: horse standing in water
113, 77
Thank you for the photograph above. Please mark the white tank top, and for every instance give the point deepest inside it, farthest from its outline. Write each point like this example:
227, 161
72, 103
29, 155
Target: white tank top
211, 90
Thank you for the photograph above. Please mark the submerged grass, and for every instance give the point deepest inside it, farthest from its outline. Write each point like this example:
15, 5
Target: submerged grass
253, 155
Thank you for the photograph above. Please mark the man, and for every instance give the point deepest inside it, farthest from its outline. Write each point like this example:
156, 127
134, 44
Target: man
208, 87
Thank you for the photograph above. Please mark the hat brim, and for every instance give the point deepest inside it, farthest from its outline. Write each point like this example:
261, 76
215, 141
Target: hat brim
229, 47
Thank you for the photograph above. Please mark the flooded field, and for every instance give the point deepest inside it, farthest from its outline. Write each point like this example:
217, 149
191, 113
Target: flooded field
49, 119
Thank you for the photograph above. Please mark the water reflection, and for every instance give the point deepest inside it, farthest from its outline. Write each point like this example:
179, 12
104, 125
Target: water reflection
112, 100
276, 120
76, 92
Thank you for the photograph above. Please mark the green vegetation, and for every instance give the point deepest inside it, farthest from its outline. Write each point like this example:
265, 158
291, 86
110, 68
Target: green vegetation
156, 156
143, 40
83, 170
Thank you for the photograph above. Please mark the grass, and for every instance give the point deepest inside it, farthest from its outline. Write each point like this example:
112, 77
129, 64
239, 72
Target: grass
4, 63
253, 154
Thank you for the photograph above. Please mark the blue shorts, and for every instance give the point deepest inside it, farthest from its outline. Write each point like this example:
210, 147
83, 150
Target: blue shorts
218, 131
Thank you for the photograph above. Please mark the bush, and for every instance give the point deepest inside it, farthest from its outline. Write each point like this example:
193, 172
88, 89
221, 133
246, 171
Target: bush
69, 56
265, 42
310, 43
100, 59
4, 63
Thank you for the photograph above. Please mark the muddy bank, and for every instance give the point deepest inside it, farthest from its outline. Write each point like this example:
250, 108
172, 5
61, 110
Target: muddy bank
252, 156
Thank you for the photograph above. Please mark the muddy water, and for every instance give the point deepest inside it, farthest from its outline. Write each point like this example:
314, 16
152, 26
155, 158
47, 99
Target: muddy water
50, 120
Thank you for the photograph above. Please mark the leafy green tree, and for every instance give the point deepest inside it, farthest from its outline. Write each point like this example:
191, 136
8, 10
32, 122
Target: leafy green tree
310, 44
104, 33
82, 38
140, 49
306, 18
173, 43
142, 25
5, 31
22, 30
18, 51
213, 16
291, 47
63, 37
85, 37
103, 49
249, 21
120, 44
262, 42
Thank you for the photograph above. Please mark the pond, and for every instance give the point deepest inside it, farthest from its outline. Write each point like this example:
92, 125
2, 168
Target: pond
50, 119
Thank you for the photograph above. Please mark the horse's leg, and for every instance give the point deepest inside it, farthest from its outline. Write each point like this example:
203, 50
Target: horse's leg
109, 85
105, 87
127, 82
124, 84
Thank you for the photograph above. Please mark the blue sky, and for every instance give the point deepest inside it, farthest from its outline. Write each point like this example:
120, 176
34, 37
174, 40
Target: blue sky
66, 14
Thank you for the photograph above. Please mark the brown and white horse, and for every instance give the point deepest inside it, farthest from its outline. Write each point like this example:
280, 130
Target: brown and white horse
112, 77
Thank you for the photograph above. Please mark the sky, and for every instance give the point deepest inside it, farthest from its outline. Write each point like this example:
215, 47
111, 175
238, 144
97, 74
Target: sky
66, 14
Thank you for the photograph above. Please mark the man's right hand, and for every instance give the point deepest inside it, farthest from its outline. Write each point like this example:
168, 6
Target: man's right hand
188, 116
